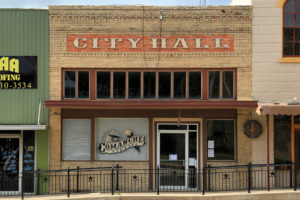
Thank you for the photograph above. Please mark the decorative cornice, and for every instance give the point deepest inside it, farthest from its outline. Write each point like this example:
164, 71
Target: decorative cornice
71, 17
94, 13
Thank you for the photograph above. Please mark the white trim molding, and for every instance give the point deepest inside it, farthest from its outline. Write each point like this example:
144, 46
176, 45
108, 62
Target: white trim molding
23, 127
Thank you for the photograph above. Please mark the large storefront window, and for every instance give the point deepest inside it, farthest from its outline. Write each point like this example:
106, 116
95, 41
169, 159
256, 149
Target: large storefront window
282, 138
76, 139
121, 139
220, 140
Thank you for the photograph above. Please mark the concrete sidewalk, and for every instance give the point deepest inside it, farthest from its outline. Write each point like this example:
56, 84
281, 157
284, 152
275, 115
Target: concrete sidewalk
254, 195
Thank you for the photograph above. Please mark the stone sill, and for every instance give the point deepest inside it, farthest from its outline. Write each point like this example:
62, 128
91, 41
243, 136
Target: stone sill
289, 60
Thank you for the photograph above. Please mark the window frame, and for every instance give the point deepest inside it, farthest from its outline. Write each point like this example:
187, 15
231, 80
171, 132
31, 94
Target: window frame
110, 84
290, 27
234, 94
76, 84
204, 84
90, 142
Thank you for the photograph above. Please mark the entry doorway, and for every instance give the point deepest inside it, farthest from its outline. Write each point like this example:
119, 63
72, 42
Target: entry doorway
10, 163
177, 155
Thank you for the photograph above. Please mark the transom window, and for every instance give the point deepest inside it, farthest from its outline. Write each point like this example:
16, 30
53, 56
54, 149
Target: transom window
101, 84
291, 28
76, 84
220, 84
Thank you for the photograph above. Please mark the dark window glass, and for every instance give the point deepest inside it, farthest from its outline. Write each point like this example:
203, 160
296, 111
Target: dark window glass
214, 84
172, 127
288, 20
192, 144
289, 6
103, 85
179, 85
297, 20
134, 85
195, 85
149, 85
164, 85
297, 34
28, 160
119, 85
227, 85
297, 119
288, 48
70, 84
288, 34
9, 164
291, 35
221, 134
282, 138
83, 84
297, 5
192, 127
297, 48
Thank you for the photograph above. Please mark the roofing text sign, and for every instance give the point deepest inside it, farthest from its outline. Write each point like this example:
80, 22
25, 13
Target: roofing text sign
18, 72
139, 43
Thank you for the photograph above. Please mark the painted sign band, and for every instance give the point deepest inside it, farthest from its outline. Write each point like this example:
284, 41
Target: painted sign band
139, 43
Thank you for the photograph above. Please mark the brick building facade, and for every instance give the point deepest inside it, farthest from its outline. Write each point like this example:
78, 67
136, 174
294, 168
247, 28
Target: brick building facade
173, 81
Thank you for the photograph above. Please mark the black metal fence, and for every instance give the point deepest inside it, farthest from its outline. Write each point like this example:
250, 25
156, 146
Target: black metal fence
118, 180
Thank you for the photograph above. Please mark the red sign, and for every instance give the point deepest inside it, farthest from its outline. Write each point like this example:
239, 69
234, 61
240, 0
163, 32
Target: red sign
139, 43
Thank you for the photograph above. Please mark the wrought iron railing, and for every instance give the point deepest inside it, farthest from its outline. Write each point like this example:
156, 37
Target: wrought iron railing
161, 179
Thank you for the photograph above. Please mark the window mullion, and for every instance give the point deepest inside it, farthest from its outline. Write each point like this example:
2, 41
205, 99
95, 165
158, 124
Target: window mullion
126, 85
142, 85
172, 85
187, 80
76, 84
111, 85
157, 87
294, 29
221, 85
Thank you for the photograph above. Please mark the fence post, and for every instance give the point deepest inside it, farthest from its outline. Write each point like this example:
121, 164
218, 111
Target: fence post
291, 176
117, 183
38, 181
157, 180
77, 180
208, 174
249, 177
22, 184
68, 181
112, 180
204, 180
295, 176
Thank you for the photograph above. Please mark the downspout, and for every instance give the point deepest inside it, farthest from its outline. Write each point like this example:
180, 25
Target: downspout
39, 113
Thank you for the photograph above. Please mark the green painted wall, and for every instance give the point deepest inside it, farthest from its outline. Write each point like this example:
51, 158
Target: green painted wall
25, 32
42, 150
42, 157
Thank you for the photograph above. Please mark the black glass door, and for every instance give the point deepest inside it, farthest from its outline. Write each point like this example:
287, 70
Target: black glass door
9, 164
172, 159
